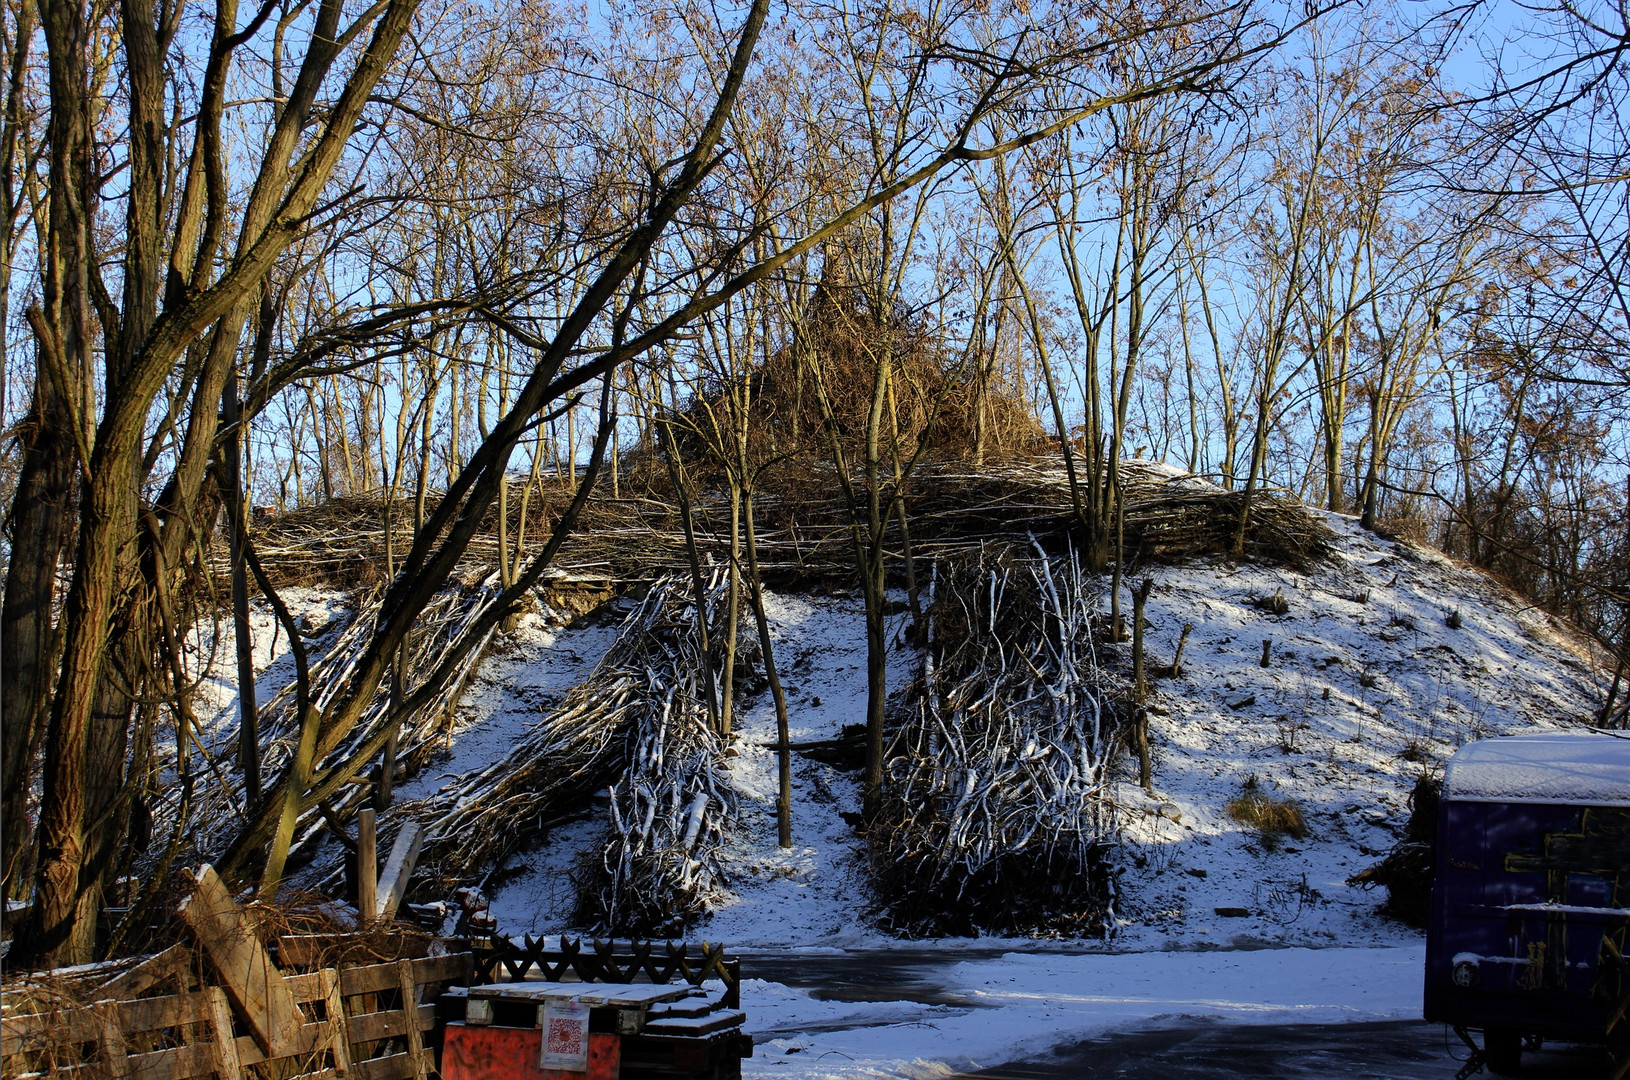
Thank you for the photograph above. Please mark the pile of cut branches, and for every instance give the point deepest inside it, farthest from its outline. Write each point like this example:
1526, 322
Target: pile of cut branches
1408, 869
638, 725
570, 754
438, 632
670, 808
953, 510
997, 812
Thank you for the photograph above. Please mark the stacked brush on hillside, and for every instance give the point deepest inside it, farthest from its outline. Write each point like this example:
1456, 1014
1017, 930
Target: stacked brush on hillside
953, 510
997, 813
636, 725
203, 816
669, 808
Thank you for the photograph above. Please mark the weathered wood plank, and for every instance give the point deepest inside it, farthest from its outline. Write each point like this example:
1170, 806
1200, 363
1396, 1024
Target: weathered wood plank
147, 974
74, 1025
151, 1014
339, 1034
224, 1050
344, 949
251, 979
110, 1039
371, 1027
430, 969
313, 1038
393, 882
176, 1063
410, 1004
394, 1067
307, 986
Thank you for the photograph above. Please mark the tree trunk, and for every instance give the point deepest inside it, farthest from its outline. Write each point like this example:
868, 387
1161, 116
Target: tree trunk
248, 718
783, 746
42, 521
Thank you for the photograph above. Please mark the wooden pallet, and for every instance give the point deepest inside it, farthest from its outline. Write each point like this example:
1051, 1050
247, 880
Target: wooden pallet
227, 1010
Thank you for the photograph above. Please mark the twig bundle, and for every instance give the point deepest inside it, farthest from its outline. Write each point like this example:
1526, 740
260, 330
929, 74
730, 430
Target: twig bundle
557, 765
670, 808
637, 725
435, 633
953, 511
997, 812
446, 619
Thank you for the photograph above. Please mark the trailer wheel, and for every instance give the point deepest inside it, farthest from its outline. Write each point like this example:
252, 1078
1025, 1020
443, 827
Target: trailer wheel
1503, 1049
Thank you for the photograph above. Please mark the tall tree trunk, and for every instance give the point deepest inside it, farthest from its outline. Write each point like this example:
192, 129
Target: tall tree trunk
41, 522
66, 347
732, 623
248, 717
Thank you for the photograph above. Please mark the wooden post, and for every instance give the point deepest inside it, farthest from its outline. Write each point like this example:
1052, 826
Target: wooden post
339, 1039
224, 1048
110, 1040
398, 868
367, 865
1182, 640
247, 972
1140, 690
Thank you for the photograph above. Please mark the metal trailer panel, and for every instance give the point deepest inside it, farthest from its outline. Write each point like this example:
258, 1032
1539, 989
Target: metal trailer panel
1525, 897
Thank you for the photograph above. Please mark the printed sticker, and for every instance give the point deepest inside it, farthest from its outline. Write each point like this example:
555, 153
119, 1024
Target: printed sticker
565, 1036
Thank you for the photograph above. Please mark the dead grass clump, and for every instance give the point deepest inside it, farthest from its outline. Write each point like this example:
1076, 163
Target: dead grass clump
1273, 605
1416, 752
1273, 818
326, 934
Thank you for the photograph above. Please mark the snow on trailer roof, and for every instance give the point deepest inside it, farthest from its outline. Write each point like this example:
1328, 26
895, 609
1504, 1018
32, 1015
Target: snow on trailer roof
1580, 767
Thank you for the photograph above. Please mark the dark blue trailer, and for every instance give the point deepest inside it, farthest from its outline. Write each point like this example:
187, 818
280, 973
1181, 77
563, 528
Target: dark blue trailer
1531, 895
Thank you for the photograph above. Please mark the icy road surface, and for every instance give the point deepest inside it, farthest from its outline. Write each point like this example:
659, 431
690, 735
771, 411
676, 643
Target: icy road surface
980, 1013
961, 1011
1208, 1050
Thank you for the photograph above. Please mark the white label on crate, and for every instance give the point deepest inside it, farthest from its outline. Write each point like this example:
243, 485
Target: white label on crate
565, 1036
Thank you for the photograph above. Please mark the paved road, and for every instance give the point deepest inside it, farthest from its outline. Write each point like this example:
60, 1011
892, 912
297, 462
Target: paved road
1393, 1050
1196, 1050
905, 974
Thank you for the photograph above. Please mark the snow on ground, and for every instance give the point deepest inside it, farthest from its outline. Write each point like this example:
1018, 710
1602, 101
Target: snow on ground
524, 677
1367, 685
813, 891
316, 612
1018, 1006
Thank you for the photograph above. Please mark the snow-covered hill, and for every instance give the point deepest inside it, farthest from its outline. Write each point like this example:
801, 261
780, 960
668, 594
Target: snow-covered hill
1368, 682
1387, 657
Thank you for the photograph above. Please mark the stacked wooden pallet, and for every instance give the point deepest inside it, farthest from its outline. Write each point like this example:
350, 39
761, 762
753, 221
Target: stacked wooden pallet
224, 1008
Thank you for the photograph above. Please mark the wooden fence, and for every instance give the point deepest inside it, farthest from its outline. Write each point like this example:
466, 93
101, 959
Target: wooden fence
503, 959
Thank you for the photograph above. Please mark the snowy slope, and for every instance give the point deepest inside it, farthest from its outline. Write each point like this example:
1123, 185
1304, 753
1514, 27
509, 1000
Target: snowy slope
1366, 686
